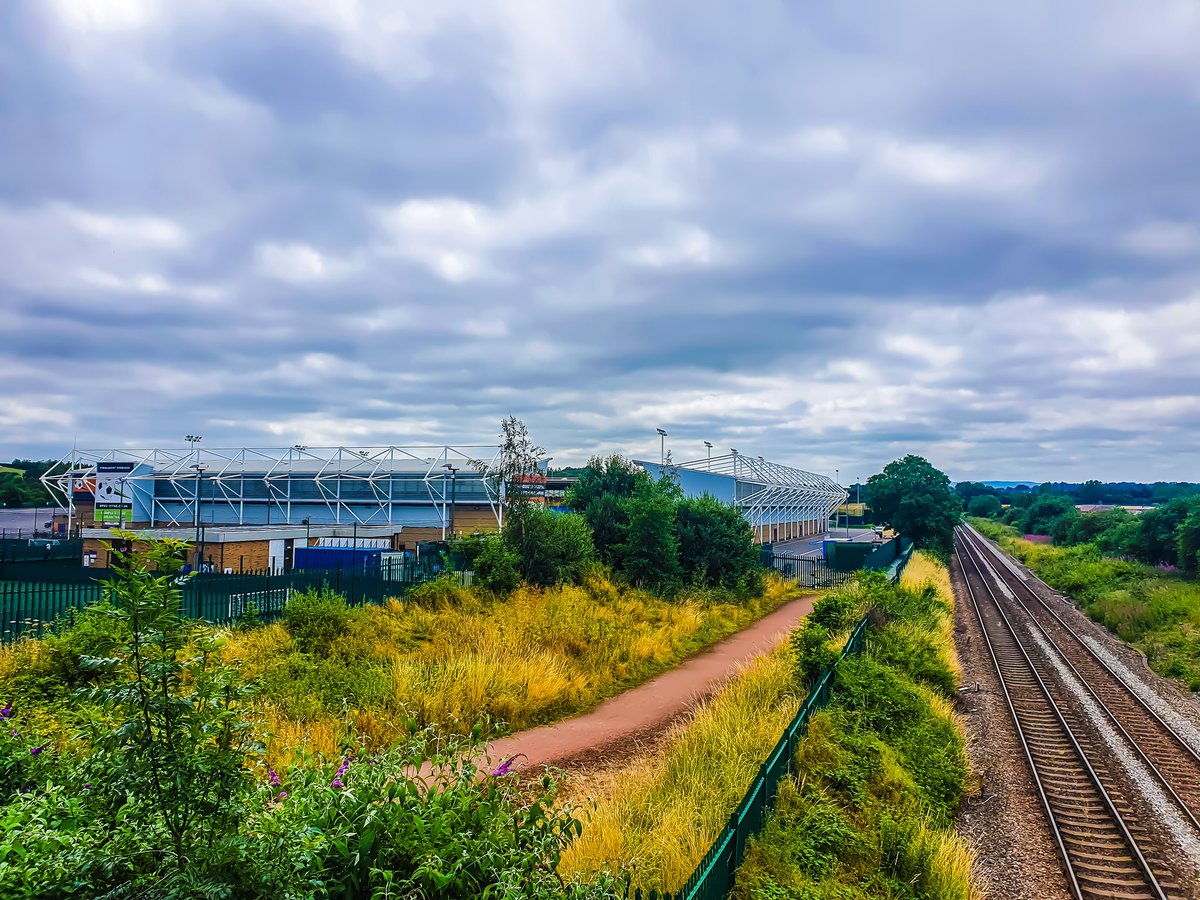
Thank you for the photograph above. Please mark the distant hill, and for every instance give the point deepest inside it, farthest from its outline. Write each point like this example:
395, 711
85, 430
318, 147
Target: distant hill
1010, 484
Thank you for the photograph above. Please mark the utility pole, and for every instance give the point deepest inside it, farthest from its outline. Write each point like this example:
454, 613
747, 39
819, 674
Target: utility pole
199, 467
453, 491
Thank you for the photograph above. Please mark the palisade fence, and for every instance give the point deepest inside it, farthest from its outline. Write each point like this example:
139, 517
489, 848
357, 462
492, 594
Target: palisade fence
46, 592
713, 878
807, 571
23, 550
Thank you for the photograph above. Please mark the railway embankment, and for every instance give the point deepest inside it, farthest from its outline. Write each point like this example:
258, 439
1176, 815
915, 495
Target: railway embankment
1088, 768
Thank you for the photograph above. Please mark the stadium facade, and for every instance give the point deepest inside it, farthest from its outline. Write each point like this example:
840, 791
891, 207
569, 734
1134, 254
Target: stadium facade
780, 503
262, 501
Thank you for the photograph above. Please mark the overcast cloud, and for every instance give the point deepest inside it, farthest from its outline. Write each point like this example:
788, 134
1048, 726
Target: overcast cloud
826, 234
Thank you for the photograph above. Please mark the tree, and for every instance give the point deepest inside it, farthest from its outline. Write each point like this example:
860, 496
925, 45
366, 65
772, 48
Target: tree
915, 498
969, 490
550, 548
1156, 542
650, 552
985, 506
1045, 510
1091, 491
1187, 542
716, 543
607, 517
615, 476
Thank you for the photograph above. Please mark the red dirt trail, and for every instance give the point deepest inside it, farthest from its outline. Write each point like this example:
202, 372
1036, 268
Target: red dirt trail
623, 724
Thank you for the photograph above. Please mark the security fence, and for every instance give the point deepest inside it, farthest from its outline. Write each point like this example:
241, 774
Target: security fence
713, 878
807, 571
30, 607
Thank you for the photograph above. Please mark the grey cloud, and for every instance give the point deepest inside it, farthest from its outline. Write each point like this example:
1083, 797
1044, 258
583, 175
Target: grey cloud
830, 236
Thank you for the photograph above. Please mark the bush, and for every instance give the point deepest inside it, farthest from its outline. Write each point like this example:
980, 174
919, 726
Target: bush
315, 619
716, 543
497, 568
985, 506
836, 611
810, 643
551, 548
92, 631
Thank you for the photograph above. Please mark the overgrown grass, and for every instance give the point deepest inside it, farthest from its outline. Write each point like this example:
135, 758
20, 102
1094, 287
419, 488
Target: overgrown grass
881, 772
659, 816
879, 776
1157, 612
449, 658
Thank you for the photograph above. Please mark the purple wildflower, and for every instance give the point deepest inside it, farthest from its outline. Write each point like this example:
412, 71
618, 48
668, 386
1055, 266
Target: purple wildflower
36, 750
88, 786
505, 767
282, 794
273, 776
337, 782
7, 711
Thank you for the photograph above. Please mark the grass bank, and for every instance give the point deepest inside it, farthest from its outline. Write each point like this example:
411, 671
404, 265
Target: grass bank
656, 818
880, 773
1155, 611
447, 657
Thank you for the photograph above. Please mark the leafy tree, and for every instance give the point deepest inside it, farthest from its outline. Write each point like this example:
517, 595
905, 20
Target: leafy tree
1088, 527
1091, 491
497, 567
986, 506
650, 553
1187, 541
716, 543
969, 490
615, 476
1157, 539
915, 498
1044, 511
607, 517
550, 548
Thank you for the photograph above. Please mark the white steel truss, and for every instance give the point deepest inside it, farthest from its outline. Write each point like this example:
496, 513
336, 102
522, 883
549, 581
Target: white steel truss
770, 494
288, 481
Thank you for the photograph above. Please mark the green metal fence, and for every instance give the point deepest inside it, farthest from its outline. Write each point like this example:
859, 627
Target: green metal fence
30, 607
713, 878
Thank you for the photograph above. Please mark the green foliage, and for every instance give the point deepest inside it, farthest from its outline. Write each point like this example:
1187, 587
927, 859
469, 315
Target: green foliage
716, 543
1044, 511
615, 477
497, 567
1157, 540
174, 733
650, 552
1187, 543
986, 505
836, 611
915, 499
879, 776
608, 518
551, 548
21, 486
810, 644
315, 619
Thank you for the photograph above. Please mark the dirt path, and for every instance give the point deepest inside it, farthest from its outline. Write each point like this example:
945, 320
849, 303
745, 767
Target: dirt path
625, 724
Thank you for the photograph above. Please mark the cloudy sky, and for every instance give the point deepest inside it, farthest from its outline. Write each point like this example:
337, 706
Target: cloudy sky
829, 234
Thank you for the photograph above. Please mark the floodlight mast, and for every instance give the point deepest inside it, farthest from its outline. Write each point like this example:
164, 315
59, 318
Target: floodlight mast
662, 436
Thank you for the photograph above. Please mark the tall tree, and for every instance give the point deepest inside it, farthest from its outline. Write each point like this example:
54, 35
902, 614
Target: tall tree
915, 498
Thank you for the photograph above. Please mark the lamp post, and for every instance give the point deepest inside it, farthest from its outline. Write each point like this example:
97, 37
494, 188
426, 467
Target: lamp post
733, 451
708, 444
453, 490
662, 436
199, 467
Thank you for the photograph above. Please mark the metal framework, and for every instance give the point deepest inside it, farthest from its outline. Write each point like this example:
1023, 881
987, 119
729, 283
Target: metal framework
345, 485
772, 495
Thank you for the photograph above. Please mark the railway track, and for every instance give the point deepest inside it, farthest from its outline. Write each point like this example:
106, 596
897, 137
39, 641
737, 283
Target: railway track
1107, 846
1162, 746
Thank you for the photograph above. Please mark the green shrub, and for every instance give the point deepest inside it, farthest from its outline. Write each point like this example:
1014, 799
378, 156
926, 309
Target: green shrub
836, 611
497, 568
92, 631
315, 619
810, 643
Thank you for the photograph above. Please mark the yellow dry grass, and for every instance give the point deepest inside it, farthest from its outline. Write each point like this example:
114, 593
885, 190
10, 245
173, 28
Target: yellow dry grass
536, 657
660, 815
925, 569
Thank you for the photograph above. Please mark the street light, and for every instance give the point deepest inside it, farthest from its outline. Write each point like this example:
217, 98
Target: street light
453, 489
662, 436
199, 467
708, 444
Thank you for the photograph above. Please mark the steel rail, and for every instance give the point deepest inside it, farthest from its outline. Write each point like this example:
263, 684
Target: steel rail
1039, 771
1188, 749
